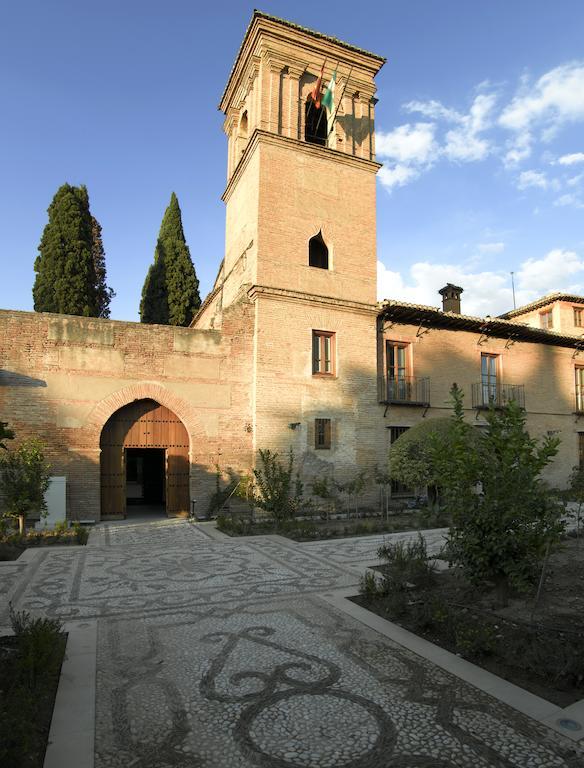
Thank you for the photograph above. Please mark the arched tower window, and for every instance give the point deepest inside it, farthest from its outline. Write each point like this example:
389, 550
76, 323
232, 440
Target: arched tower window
315, 123
318, 255
242, 135
243, 125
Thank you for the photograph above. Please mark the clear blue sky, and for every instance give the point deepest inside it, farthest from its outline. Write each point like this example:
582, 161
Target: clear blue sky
480, 122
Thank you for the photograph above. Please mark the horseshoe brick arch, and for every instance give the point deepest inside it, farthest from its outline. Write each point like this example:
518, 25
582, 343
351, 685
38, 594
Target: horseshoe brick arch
147, 391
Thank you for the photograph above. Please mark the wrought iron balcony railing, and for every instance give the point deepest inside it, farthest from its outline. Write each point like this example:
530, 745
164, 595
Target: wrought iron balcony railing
407, 390
496, 395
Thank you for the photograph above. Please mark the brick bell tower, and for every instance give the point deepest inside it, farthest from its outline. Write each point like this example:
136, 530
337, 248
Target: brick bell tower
300, 194
300, 243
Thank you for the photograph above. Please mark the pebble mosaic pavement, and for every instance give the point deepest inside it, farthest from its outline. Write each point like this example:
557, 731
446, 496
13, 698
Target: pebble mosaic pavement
218, 652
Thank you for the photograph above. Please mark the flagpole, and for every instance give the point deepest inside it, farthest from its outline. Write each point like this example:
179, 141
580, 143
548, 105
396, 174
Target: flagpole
340, 102
320, 116
320, 77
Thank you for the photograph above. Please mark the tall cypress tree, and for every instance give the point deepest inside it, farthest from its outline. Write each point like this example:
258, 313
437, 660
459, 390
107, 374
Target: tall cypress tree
66, 278
170, 295
104, 293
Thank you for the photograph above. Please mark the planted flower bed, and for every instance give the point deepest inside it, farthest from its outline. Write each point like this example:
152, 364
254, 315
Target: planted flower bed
537, 647
314, 530
30, 666
13, 544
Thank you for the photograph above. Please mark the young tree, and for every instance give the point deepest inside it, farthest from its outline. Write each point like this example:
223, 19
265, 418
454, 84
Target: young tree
66, 280
104, 293
24, 479
170, 295
413, 460
504, 518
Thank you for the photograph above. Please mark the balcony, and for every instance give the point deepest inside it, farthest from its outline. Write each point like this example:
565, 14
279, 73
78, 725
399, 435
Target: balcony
494, 395
407, 390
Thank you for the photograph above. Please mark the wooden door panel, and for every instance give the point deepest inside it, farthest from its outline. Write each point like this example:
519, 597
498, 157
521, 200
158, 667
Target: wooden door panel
113, 481
177, 481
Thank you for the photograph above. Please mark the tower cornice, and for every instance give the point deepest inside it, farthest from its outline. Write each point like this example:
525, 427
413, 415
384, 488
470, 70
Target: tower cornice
313, 150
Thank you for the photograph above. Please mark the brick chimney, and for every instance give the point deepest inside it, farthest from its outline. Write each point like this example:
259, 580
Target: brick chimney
451, 298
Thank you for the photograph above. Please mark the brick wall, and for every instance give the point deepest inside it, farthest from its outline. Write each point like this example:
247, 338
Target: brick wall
62, 377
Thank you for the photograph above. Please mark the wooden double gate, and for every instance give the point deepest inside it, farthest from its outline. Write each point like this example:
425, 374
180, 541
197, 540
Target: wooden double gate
144, 424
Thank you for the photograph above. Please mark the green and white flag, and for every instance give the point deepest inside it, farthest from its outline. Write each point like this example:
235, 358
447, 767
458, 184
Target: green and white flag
329, 95
328, 101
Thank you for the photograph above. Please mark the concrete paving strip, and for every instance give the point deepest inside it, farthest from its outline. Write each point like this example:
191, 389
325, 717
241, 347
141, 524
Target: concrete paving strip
72, 735
568, 721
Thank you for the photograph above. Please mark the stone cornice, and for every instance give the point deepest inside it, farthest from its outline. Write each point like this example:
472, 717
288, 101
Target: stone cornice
266, 137
282, 294
315, 44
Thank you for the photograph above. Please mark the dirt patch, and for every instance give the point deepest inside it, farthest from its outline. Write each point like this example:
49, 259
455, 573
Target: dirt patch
537, 647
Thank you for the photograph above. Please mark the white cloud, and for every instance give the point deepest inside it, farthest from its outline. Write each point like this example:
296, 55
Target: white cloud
551, 273
491, 247
410, 148
435, 110
556, 98
575, 157
396, 176
485, 292
464, 143
518, 149
569, 200
532, 179
407, 143
575, 180
534, 115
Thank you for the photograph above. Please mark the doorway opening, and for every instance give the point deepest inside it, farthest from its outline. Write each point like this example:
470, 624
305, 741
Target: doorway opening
144, 462
145, 480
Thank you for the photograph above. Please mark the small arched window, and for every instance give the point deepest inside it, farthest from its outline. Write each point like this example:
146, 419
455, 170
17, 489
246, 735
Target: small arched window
315, 123
243, 125
318, 255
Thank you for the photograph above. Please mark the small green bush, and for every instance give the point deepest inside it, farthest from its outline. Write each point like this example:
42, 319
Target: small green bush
407, 564
368, 586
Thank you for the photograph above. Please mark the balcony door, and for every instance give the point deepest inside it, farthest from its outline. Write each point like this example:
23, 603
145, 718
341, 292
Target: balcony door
489, 366
397, 371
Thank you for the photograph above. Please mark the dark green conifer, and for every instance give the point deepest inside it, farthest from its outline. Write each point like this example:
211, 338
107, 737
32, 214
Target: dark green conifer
66, 281
170, 295
104, 293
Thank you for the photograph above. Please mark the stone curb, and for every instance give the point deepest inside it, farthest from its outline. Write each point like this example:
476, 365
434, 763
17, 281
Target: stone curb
72, 736
529, 704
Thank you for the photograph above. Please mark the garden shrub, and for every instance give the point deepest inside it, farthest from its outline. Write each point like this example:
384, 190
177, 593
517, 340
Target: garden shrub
407, 564
501, 530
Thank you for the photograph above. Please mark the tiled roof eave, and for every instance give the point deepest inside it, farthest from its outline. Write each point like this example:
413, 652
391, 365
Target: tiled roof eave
415, 314
543, 302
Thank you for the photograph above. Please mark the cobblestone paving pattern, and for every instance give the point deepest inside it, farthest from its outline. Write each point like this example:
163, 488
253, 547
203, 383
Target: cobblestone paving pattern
217, 653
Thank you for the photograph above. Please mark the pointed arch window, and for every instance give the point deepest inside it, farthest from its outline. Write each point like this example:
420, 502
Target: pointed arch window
315, 123
318, 255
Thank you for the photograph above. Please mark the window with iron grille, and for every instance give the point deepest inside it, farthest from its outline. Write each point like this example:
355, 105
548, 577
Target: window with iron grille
578, 317
322, 434
323, 353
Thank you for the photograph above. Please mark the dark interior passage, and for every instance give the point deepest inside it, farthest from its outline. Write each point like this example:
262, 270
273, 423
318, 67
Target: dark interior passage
145, 478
